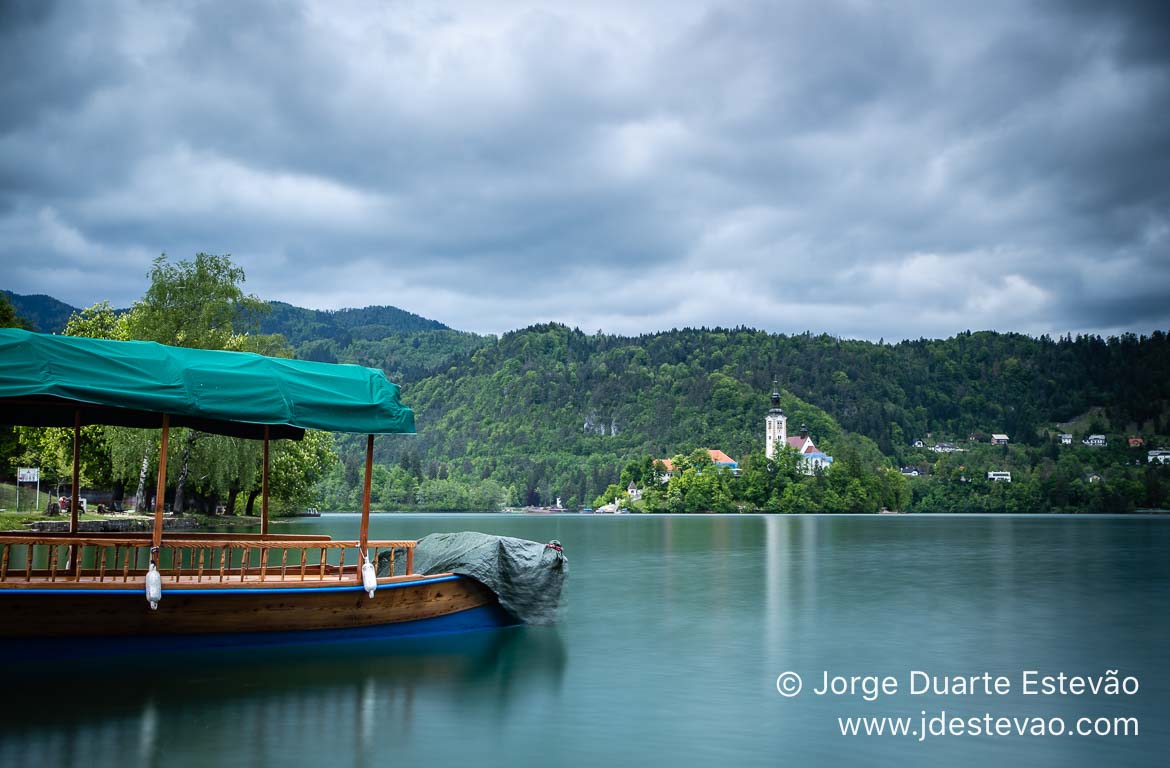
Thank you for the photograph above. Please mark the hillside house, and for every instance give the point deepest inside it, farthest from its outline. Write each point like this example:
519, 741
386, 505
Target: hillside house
1065, 438
999, 439
999, 477
1136, 442
1159, 456
1095, 441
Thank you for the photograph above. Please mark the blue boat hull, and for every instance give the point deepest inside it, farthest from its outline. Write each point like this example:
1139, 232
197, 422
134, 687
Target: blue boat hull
86, 620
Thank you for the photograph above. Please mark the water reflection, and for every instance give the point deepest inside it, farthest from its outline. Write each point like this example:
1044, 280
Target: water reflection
261, 702
776, 583
148, 732
676, 629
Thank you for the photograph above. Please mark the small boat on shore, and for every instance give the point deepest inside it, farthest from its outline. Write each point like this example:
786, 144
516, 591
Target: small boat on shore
220, 588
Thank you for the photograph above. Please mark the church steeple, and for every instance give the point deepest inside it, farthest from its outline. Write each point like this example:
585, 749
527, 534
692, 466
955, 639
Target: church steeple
775, 424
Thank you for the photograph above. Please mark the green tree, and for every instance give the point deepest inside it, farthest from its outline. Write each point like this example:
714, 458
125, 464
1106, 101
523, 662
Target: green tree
199, 304
756, 482
99, 321
52, 448
9, 317
9, 442
298, 465
613, 493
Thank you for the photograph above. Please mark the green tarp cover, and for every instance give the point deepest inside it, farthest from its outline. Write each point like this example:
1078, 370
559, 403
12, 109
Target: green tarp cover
47, 380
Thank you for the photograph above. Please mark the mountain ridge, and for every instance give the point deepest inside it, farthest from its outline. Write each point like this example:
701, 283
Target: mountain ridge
550, 411
49, 314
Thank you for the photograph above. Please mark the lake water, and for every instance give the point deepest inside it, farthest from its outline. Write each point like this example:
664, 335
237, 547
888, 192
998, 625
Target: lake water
674, 633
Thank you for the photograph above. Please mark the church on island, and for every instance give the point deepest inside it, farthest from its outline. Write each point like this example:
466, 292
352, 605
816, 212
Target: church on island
812, 459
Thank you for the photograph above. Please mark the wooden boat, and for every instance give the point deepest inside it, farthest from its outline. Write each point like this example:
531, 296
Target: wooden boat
214, 587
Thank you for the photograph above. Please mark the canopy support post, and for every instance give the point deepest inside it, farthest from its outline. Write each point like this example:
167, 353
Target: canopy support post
264, 487
73, 497
74, 501
364, 535
161, 494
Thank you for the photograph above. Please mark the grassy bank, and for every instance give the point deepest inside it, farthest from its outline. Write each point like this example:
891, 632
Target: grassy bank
228, 521
17, 521
30, 501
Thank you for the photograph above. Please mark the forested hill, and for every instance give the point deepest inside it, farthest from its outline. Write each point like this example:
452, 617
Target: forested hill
342, 326
552, 410
893, 393
405, 345
44, 313
297, 324
970, 384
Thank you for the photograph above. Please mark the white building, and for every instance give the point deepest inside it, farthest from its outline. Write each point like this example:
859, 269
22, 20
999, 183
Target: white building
812, 459
998, 439
1096, 441
1160, 456
775, 424
1065, 438
1000, 477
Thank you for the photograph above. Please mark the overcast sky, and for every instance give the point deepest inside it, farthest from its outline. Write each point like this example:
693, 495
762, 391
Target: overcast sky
866, 169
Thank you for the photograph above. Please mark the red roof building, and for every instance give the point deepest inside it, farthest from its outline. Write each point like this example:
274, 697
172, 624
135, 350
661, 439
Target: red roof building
721, 459
718, 458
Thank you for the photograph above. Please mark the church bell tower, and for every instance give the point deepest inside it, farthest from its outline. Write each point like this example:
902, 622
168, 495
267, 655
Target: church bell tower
775, 424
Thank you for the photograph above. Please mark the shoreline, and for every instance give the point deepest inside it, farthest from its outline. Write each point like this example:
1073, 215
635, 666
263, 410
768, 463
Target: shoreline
136, 523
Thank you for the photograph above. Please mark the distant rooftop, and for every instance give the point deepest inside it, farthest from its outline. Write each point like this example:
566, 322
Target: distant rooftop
718, 458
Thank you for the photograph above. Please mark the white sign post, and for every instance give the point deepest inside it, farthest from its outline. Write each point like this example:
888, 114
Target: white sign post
28, 475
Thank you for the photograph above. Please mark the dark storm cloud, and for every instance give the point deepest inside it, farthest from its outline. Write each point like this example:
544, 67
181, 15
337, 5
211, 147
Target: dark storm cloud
41, 75
859, 168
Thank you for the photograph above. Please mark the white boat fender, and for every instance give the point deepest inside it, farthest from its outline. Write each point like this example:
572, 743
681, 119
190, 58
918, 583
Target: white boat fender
153, 583
369, 576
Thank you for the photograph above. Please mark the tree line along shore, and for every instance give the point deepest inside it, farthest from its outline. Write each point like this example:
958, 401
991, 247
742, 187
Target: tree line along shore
552, 412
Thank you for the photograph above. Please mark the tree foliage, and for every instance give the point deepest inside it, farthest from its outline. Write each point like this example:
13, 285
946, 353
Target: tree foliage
550, 411
9, 317
101, 321
199, 304
10, 448
553, 411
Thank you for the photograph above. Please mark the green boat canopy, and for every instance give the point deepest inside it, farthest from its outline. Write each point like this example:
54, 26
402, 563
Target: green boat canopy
51, 380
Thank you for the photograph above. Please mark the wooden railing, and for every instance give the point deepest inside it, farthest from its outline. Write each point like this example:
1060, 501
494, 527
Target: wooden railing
197, 560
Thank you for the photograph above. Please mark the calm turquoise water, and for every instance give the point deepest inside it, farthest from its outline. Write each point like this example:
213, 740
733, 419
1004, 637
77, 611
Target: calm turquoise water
674, 633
